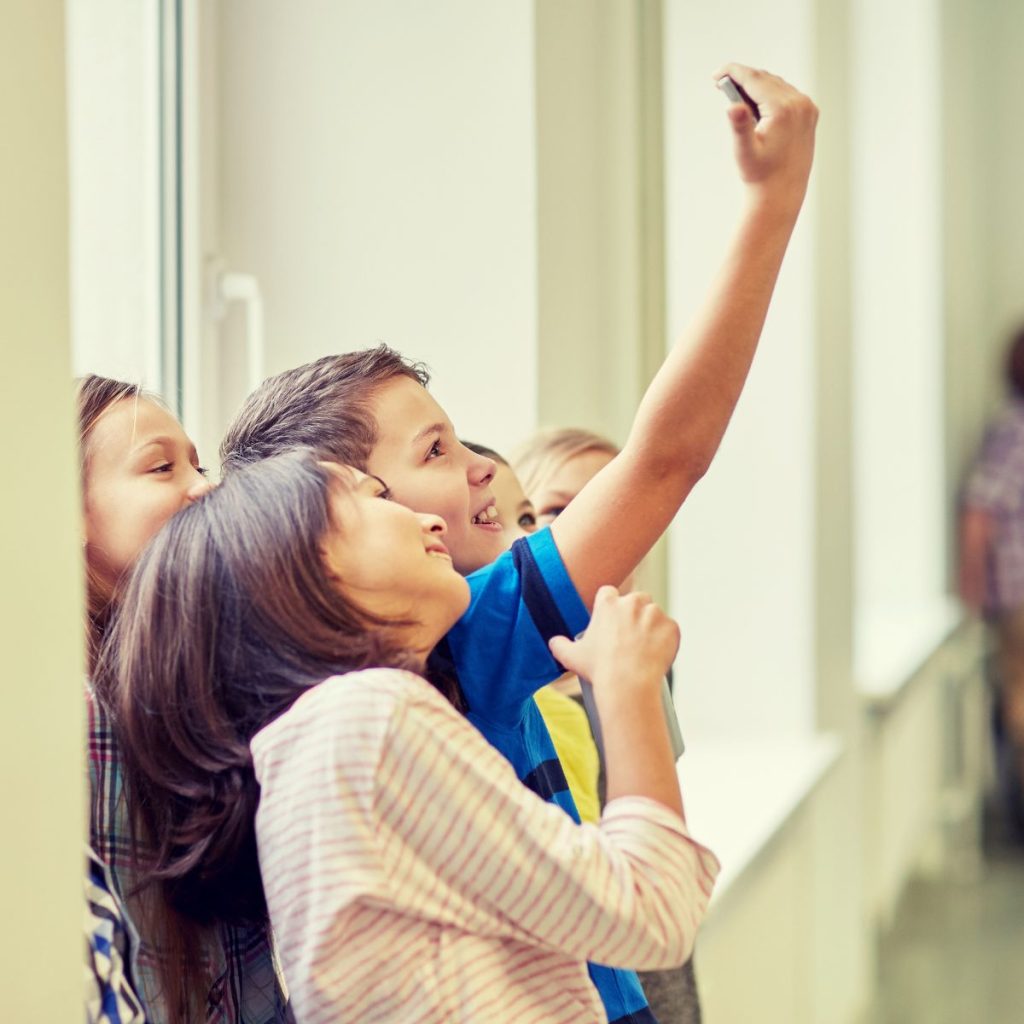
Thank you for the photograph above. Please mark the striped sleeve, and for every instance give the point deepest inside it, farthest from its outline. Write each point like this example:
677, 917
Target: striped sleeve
467, 845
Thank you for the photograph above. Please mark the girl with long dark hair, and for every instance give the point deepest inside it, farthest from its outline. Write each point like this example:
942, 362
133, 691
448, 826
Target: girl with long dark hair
290, 761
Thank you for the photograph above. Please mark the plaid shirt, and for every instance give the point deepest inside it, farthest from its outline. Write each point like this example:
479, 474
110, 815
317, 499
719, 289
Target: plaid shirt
246, 987
996, 484
110, 941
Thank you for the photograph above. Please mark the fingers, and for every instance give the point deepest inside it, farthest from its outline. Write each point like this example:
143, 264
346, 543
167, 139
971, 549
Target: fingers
561, 648
739, 73
751, 79
629, 635
744, 135
675, 635
772, 94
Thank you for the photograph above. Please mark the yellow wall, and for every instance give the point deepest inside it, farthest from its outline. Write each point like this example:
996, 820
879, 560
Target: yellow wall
40, 610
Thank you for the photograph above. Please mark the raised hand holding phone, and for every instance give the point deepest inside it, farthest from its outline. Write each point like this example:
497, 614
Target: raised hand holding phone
773, 125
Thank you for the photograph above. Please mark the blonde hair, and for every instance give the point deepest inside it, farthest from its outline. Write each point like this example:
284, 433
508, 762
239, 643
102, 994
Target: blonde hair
537, 460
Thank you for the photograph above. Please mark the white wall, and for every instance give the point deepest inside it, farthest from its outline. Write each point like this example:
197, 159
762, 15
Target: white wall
377, 174
1004, 220
41, 730
784, 945
898, 323
741, 551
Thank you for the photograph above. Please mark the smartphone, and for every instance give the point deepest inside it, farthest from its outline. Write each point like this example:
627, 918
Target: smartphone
735, 93
668, 707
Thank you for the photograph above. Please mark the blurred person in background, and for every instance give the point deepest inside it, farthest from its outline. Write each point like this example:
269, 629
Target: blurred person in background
991, 571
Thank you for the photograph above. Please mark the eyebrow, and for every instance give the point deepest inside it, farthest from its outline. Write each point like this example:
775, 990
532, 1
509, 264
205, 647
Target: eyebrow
377, 479
163, 441
434, 428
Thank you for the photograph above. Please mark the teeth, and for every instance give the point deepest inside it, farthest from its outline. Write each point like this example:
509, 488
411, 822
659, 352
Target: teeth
489, 515
492, 512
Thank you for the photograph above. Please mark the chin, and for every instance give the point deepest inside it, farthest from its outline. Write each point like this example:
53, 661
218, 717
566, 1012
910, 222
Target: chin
457, 599
483, 554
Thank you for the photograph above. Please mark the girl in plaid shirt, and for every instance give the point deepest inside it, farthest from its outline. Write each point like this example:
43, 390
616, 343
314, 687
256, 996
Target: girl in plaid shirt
138, 469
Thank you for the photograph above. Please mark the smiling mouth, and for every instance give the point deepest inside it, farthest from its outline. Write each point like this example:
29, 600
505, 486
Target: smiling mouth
486, 517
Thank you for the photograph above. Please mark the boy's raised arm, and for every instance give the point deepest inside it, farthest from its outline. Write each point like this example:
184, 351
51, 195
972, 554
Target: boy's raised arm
615, 520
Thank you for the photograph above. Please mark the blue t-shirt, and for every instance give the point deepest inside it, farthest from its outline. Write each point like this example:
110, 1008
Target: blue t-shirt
498, 652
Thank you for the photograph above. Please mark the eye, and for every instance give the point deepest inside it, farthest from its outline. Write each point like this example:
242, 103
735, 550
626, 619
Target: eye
384, 493
528, 521
165, 467
551, 513
201, 470
435, 450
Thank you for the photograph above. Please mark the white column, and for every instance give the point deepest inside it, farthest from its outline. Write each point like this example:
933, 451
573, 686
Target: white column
898, 338
41, 731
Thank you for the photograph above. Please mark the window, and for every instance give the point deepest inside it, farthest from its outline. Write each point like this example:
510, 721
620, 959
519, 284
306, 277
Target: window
116, 151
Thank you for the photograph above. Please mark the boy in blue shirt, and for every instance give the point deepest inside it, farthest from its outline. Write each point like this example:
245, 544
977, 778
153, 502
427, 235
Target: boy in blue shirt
371, 409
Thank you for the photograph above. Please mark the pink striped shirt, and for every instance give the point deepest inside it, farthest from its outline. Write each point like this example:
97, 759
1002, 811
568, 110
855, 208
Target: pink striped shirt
412, 878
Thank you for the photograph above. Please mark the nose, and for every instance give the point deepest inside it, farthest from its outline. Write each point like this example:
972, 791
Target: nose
481, 469
433, 524
198, 487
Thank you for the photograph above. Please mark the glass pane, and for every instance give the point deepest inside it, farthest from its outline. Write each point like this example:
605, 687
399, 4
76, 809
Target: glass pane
114, 125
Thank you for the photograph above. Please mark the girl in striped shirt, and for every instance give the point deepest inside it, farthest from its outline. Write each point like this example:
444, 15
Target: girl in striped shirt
290, 760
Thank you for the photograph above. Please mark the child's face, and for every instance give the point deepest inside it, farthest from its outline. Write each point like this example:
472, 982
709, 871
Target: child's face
393, 562
142, 468
428, 469
551, 495
515, 510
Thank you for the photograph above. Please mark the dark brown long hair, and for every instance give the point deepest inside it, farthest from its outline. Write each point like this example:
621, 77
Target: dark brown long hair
229, 616
94, 396
323, 405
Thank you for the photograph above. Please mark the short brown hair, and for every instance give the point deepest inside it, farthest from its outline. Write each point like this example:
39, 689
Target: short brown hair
323, 406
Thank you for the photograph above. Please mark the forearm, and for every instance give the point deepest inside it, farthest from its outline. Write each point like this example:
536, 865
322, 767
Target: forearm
638, 751
975, 538
502, 862
683, 416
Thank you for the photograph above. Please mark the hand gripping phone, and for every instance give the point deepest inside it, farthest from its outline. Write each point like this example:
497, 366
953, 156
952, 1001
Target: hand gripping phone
667, 705
735, 93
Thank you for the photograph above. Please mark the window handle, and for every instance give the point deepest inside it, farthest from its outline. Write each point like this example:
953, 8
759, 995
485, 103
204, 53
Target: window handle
232, 286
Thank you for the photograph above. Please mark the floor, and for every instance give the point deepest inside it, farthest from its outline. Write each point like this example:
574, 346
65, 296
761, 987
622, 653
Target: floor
956, 952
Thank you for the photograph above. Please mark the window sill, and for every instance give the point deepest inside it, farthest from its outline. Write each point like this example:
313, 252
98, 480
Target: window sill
740, 793
895, 643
